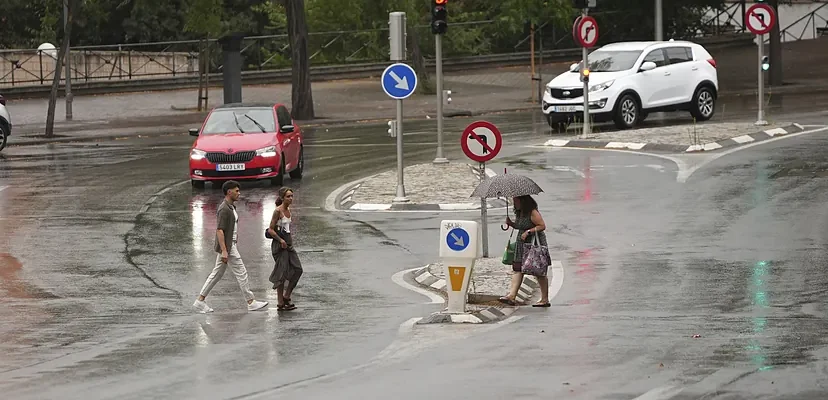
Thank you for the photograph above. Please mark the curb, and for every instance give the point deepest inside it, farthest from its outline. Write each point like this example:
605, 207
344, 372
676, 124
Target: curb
343, 201
427, 280
678, 148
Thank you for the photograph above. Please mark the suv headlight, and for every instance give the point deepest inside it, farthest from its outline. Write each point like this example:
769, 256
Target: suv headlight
196, 154
269, 151
601, 86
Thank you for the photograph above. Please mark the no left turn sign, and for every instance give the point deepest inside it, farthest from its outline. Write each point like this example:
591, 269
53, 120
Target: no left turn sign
481, 141
760, 18
586, 31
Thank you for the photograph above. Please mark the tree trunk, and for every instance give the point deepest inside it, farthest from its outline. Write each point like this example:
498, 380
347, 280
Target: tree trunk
301, 93
425, 85
50, 113
775, 55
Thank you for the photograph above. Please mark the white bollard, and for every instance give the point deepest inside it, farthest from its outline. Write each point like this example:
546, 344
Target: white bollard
459, 248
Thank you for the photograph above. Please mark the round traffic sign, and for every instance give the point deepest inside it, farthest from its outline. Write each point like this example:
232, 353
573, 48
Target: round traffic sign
481, 141
760, 18
586, 31
399, 81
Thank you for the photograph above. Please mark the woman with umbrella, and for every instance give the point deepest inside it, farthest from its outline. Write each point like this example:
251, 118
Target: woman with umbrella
531, 254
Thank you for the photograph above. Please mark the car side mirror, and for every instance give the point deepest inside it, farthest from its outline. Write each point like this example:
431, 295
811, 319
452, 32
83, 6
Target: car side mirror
193, 132
648, 66
573, 67
287, 129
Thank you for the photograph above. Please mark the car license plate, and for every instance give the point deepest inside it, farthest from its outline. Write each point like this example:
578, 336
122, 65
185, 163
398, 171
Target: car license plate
567, 108
230, 167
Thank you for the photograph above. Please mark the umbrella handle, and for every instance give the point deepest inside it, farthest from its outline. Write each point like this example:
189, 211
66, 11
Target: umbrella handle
504, 227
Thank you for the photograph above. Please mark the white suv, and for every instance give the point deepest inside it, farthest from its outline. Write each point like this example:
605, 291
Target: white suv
628, 80
5, 123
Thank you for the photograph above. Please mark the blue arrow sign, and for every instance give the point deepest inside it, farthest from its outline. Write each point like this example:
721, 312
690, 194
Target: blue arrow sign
399, 81
457, 239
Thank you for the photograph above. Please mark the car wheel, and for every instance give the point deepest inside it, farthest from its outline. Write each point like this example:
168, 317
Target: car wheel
297, 172
627, 112
197, 184
4, 138
279, 179
557, 125
704, 104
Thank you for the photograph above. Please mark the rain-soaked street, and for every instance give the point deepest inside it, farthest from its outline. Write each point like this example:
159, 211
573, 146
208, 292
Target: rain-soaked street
678, 288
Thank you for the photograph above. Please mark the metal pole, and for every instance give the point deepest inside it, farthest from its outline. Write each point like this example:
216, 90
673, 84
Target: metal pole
760, 118
659, 21
585, 57
67, 63
438, 45
484, 220
400, 183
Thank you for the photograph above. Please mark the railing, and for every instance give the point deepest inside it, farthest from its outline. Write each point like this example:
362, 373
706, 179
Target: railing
810, 20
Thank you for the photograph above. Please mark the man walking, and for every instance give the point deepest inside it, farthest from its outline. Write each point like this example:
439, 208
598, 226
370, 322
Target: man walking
226, 237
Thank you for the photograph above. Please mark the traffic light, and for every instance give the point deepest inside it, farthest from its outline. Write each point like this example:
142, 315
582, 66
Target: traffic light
392, 128
439, 15
765, 63
585, 75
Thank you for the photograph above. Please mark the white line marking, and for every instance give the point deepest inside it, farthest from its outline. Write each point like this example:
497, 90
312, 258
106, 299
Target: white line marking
3, 188
660, 393
776, 131
556, 283
439, 285
743, 139
490, 315
685, 174
370, 207
347, 139
465, 319
556, 142
398, 279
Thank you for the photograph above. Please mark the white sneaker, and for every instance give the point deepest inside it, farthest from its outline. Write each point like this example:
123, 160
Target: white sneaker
202, 307
256, 305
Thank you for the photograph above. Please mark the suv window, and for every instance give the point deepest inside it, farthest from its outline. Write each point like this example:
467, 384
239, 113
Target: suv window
283, 116
656, 56
679, 55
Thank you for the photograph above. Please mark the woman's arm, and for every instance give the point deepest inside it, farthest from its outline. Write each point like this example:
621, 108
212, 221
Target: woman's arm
272, 228
537, 219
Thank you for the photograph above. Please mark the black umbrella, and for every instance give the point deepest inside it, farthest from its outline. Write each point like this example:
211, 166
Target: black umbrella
506, 185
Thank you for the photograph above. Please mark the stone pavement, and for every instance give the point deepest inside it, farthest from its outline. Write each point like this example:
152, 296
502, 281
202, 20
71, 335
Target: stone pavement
428, 187
682, 138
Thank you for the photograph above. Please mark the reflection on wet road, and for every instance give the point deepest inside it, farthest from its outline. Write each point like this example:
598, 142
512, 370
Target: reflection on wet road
715, 284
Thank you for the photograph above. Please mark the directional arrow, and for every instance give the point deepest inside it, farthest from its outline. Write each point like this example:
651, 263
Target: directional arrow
402, 83
457, 240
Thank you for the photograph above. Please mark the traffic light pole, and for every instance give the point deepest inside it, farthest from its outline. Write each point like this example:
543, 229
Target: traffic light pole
585, 66
438, 46
760, 119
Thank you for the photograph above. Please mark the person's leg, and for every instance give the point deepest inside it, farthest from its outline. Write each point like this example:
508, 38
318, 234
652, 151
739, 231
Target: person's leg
543, 281
215, 276
237, 266
517, 280
295, 274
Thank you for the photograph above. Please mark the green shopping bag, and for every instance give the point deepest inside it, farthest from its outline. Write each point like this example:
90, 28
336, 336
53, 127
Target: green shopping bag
509, 253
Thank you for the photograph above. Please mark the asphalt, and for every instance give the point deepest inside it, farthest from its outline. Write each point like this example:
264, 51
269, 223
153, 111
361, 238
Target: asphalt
708, 285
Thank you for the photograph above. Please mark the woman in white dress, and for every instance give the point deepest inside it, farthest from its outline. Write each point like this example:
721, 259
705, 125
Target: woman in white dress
288, 268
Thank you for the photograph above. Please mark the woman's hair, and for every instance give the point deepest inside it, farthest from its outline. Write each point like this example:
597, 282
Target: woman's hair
527, 204
282, 193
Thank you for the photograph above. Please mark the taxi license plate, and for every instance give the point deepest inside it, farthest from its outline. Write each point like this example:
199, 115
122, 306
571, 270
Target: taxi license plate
230, 167
567, 108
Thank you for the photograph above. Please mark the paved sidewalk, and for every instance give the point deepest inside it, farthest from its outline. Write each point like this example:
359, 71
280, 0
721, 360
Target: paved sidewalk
429, 187
474, 92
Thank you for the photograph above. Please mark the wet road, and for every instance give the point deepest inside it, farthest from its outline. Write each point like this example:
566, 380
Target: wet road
96, 282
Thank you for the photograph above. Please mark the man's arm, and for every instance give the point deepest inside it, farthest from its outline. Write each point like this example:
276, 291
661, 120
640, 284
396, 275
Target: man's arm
220, 234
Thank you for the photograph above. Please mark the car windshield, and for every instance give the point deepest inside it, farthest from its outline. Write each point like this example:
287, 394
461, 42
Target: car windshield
611, 61
240, 120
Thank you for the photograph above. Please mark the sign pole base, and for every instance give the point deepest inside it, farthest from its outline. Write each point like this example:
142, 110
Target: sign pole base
400, 198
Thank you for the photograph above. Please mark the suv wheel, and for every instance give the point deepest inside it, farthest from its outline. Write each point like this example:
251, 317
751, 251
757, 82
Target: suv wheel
627, 112
704, 104
4, 138
557, 124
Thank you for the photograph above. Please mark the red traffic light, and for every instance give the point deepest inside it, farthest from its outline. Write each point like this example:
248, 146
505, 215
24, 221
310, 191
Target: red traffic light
441, 2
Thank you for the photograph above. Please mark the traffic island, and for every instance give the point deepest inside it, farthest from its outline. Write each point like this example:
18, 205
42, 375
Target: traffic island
489, 280
451, 192
702, 137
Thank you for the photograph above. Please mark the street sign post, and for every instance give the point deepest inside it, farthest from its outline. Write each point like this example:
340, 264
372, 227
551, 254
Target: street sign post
458, 251
398, 81
585, 32
760, 19
481, 141
439, 25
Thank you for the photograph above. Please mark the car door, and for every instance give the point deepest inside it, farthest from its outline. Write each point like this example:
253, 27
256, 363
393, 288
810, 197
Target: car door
682, 78
290, 144
653, 84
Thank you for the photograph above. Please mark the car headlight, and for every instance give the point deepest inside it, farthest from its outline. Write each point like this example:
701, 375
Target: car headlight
196, 154
601, 86
269, 151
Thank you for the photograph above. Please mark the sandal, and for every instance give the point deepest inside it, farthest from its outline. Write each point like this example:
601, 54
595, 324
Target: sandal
506, 300
286, 307
288, 302
547, 304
